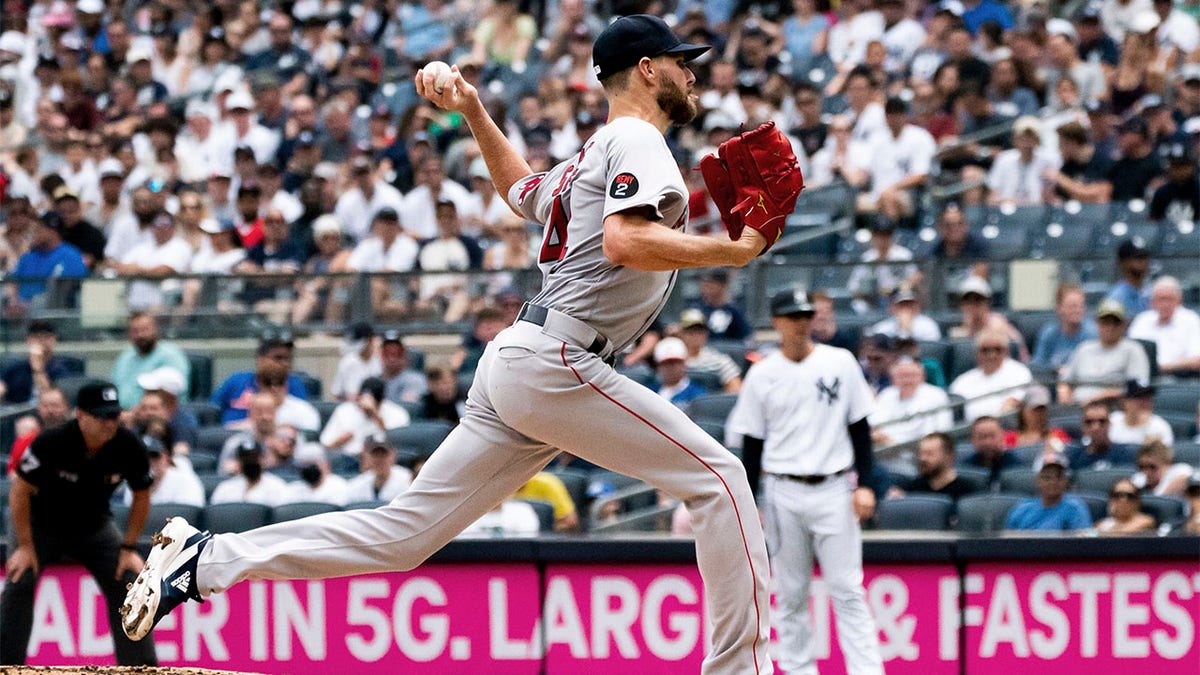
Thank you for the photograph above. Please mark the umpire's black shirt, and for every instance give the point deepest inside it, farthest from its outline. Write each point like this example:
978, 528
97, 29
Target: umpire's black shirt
73, 489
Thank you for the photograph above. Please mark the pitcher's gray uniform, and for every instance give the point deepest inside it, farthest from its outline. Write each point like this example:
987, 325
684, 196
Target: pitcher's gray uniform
543, 385
801, 411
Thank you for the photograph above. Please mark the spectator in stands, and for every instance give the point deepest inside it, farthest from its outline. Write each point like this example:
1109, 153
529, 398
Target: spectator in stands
353, 422
161, 255
1054, 509
693, 331
1173, 328
360, 361
315, 295
25, 429
445, 400
145, 353
1007, 93
16, 234
975, 303
1033, 423
278, 252
280, 455
1157, 473
549, 488
513, 250
290, 410
402, 384
363, 202
448, 250
1096, 450
872, 282
997, 383
1016, 177
76, 231
1135, 423
1062, 46
1192, 492
909, 408
673, 384
841, 158
955, 241
988, 452
1138, 169
901, 156
907, 347
24, 380
488, 323
876, 355
389, 249
1124, 515
1058, 340
825, 328
161, 390
935, 468
1083, 175
726, 320
258, 428
233, 395
250, 484
1178, 199
1133, 265
316, 483
381, 479
906, 320
419, 208
48, 256
174, 482
1100, 368
52, 410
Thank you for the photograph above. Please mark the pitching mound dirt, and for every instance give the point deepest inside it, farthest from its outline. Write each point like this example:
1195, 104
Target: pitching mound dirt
108, 670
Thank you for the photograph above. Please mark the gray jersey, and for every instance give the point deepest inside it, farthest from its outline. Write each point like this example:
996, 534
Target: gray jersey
626, 164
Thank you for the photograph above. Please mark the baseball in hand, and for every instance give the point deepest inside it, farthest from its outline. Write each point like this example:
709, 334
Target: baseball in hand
441, 75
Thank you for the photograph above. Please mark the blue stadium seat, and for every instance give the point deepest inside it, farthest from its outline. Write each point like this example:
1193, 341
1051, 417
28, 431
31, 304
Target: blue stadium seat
1177, 398
576, 483
1100, 480
1187, 452
312, 384
203, 462
422, 436
325, 410
1166, 510
1019, 481
1096, 502
978, 478
200, 377
1057, 240
985, 513
354, 506
159, 513
235, 517
298, 510
544, 511
211, 439
712, 408
1181, 239
210, 481
1109, 235
207, 414
915, 512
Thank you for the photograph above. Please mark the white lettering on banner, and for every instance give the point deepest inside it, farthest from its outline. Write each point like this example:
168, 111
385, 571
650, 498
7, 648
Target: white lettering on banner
203, 623
564, 624
888, 597
503, 647
948, 623
684, 624
615, 621
1173, 615
258, 629
290, 617
1125, 613
436, 627
1089, 586
94, 636
1049, 644
51, 621
166, 651
1005, 622
359, 613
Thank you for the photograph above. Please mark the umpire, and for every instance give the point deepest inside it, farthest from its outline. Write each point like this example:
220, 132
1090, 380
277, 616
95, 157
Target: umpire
59, 503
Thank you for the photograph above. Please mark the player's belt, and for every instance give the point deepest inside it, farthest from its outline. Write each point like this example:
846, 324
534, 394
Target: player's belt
559, 325
811, 479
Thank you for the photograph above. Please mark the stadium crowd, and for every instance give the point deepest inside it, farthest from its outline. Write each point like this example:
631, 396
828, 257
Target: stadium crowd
252, 141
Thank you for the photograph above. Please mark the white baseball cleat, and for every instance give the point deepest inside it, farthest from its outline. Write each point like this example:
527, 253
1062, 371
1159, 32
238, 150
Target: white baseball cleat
167, 580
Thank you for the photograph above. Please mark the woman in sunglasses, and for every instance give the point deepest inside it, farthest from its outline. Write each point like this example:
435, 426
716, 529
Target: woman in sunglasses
1124, 511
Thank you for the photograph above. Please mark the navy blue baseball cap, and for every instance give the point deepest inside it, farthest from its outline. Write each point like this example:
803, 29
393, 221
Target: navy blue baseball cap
625, 41
790, 303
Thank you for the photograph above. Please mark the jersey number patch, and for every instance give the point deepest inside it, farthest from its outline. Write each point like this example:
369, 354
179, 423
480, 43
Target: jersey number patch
554, 247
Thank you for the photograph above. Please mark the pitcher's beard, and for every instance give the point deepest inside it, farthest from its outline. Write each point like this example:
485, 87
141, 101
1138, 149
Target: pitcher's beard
676, 103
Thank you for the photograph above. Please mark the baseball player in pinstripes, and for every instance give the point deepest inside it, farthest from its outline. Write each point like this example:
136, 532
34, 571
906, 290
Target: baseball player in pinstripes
803, 414
614, 217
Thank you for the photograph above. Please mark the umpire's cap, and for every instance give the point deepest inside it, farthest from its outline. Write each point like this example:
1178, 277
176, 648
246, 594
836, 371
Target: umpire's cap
787, 303
629, 38
98, 398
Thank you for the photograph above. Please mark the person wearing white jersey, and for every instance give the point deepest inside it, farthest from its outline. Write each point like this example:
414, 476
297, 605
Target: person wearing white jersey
802, 413
614, 216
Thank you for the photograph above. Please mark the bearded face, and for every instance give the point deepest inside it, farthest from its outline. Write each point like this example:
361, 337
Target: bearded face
678, 104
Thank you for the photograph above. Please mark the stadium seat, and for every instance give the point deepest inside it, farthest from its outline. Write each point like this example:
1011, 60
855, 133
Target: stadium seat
207, 414
325, 410
576, 483
1062, 241
1009, 240
1166, 510
914, 512
835, 200
415, 409
1151, 355
544, 511
1187, 453
210, 481
312, 384
200, 379
203, 462
1028, 454
978, 478
617, 480
734, 349
985, 513
342, 464
159, 513
1097, 504
354, 506
1100, 480
713, 428
1183, 425
1019, 481
298, 510
1177, 398
211, 439
712, 408
235, 517
640, 373
1181, 239
709, 379
1110, 234
422, 436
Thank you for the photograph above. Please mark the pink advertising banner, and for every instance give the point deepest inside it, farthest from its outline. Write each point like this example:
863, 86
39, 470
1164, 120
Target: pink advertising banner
1083, 618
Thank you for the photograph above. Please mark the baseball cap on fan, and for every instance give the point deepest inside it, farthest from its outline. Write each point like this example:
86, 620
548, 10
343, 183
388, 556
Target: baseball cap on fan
625, 41
789, 303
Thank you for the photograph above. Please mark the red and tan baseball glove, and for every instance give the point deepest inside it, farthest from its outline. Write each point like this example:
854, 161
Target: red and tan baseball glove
754, 180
